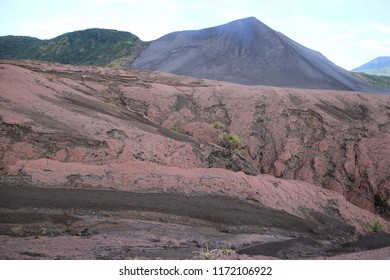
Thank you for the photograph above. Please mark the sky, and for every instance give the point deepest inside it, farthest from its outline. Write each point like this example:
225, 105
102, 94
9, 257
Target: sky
348, 32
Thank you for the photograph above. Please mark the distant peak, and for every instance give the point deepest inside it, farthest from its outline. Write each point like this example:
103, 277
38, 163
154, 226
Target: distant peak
245, 30
247, 20
251, 23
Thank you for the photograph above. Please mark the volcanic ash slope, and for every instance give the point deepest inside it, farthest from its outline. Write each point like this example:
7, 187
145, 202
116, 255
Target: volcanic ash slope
247, 52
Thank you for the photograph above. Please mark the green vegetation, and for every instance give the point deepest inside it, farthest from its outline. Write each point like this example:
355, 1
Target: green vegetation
375, 226
231, 142
380, 71
228, 140
218, 125
380, 81
95, 46
175, 129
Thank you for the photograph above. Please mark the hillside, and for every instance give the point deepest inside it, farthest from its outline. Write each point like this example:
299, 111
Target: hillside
113, 163
379, 66
379, 81
87, 47
246, 52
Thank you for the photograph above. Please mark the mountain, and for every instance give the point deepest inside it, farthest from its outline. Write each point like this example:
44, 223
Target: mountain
380, 81
379, 66
246, 52
88, 47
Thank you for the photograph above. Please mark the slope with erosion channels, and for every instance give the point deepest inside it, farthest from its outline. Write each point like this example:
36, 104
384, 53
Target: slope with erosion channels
89, 151
246, 52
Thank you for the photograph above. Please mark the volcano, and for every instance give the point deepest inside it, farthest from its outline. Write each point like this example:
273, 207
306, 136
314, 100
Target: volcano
247, 52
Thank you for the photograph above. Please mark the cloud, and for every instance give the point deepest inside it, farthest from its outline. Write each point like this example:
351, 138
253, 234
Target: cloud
381, 47
54, 27
379, 27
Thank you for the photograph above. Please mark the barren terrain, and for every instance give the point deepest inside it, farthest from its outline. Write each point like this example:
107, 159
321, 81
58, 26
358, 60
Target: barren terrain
107, 163
247, 52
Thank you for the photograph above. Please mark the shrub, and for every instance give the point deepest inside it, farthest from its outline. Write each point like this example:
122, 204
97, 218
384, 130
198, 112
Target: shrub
175, 129
375, 226
207, 254
227, 251
18, 231
231, 142
218, 125
43, 231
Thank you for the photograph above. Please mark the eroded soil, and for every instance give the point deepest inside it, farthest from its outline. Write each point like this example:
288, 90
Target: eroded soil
120, 225
91, 167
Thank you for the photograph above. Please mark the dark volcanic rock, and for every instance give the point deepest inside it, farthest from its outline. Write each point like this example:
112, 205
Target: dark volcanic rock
246, 52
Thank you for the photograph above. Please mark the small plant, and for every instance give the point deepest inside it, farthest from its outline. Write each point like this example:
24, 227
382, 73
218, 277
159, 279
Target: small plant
18, 231
227, 251
231, 142
218, 125
17, 127
333, 202
43, 231
21, 125
207, 254
175, 129
375, 226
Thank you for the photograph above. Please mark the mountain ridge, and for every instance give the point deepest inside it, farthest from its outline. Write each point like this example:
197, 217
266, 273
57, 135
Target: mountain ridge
379, 66
245, 51
94, 46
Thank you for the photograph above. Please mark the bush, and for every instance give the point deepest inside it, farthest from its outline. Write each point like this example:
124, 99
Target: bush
207, 254
18, 231
218, 125
175, 129
231, 142
375, 226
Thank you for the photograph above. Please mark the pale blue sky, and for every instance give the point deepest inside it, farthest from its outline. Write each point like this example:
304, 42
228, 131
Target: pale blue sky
349, 32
